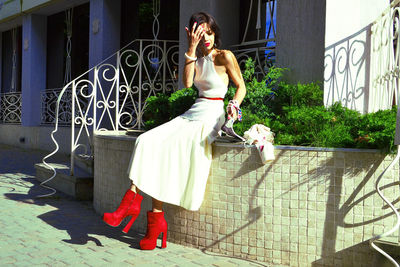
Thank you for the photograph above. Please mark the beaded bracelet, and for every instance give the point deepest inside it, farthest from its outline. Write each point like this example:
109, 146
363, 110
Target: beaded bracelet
235, 104
190, 58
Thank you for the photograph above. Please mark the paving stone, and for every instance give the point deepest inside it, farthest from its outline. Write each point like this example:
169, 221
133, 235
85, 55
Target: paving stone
59, 231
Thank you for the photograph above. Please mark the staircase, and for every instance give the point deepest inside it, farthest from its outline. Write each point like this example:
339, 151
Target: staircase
111, 96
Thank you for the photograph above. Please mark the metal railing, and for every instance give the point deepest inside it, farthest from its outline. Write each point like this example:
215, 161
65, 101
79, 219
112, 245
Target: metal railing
49, 103
261, 49
10, 107
384, 91
112, 95
385, 60
263, 55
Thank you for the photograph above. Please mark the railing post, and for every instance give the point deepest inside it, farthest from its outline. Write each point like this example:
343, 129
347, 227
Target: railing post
95, 75
164, 64
139, 116
73, 93
117, 112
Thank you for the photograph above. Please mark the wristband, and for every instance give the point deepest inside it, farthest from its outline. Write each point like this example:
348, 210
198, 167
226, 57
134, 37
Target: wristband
190, 58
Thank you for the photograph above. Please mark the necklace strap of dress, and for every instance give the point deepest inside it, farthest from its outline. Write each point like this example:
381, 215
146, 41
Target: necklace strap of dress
209, 56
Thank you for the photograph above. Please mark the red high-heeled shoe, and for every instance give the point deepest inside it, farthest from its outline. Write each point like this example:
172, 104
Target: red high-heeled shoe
130, 206
156, 224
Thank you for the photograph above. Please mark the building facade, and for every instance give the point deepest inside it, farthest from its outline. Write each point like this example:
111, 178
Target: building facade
47, 44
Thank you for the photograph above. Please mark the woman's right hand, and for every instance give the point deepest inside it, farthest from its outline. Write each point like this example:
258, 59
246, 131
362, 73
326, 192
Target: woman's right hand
194, 36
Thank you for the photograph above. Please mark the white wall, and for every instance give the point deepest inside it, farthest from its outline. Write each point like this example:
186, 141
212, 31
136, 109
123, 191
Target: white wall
347, 50
344, 17
35, 137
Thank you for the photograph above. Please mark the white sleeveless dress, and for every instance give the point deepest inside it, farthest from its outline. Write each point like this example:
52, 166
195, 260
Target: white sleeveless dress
172, 162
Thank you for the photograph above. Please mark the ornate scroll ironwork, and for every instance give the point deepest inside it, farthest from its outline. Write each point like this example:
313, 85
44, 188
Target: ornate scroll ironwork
68, 46
112, 95
385, 65
345, 68
13, 87
10, 107
262, 50
49, 103
263, 56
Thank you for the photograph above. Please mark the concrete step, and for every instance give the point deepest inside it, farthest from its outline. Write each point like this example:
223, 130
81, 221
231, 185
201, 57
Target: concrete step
391, 246
78, 186
85, 162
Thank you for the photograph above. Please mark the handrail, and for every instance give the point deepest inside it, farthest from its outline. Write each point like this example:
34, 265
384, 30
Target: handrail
396, 227
384, 12
159, 81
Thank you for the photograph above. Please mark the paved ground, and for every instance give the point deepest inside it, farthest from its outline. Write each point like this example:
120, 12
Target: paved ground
58, 231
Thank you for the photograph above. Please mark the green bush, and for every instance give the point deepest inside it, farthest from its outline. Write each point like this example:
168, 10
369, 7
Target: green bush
294, 112
377, 130
156, 111
297, 95
256, 108
315, 126
162, 108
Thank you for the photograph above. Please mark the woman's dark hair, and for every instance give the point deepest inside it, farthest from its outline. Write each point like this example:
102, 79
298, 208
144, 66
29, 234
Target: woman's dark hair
203, 17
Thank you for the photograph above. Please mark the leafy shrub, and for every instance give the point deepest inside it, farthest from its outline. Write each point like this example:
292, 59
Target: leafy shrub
181, 100
297, 95
294, 112
377, 130
156, 111
259, 93
315, 126
162, 108
255, 106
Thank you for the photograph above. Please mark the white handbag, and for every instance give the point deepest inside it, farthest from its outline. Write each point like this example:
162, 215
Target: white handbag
262, 137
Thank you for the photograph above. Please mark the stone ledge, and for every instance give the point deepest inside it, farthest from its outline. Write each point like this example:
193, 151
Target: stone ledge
122, 135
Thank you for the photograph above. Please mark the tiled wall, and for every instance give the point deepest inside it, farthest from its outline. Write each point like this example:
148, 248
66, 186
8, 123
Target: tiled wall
310, 207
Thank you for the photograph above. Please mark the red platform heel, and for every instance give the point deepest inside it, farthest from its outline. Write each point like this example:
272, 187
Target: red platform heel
130, 206
156, 224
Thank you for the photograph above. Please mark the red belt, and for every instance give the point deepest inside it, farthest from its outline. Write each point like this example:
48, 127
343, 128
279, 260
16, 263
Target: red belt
212, 98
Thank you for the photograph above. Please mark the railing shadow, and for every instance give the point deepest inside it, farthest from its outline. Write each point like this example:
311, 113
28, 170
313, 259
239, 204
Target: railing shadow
336, 209
346, 71
255, 212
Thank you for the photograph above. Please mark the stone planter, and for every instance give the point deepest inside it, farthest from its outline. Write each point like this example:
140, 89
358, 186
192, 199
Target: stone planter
310, 207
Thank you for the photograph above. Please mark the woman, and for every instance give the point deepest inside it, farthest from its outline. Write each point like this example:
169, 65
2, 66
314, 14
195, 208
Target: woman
171, 163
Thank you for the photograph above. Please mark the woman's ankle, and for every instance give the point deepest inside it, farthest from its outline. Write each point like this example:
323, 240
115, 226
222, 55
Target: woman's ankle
134, 189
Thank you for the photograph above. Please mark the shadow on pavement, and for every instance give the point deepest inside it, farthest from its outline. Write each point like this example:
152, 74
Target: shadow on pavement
77, 218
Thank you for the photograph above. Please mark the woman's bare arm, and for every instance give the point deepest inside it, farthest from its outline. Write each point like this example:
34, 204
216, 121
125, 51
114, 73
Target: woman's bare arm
194, 37
234, 73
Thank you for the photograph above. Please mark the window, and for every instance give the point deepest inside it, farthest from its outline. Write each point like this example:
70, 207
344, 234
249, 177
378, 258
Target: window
56, 45
11, 60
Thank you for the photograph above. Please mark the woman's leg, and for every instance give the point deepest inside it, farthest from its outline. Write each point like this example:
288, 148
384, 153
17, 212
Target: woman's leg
157, 205
134, 188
